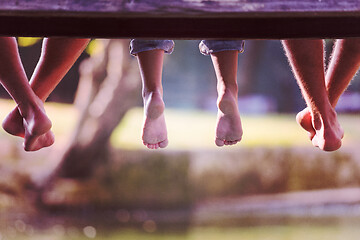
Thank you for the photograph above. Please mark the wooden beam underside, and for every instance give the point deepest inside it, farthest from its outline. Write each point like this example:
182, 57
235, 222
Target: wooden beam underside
181, 19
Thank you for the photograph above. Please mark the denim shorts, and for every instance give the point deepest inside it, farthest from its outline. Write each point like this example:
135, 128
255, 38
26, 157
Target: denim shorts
206, 47
139, 45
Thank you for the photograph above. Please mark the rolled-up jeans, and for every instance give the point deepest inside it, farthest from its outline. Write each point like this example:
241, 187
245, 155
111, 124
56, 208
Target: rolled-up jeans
206, 47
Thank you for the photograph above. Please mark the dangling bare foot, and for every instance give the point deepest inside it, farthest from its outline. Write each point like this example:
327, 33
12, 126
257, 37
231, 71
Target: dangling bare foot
36, 126
34, 143
304, 119
13, 123
328, 131
228, 127
154, 133
325, 132
35, 120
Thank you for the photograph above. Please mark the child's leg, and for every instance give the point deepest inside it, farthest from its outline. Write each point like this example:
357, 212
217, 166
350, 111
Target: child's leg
154, 132
224, 55
228, 127
150, 55
344, 63
307, 60
57, 57
30, 107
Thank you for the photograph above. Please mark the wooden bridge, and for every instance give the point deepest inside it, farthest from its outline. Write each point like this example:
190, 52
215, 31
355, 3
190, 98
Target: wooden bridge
181, 19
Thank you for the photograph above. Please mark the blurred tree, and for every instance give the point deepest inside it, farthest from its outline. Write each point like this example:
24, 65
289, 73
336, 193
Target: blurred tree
109, 86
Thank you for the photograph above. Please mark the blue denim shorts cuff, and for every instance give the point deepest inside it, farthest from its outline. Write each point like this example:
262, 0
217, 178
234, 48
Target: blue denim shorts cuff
207, 47
138, 45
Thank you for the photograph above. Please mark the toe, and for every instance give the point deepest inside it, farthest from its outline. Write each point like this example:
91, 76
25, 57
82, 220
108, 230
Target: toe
155, 145
311, 135
314, 142
236, 141
219, 142
164, 143
229, 143
50, 139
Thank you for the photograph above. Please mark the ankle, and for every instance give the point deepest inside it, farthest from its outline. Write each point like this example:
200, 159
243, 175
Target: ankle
146, 94
317, 121
153, 105
227, 102
324, 119
227, 94
24, 109
230, 87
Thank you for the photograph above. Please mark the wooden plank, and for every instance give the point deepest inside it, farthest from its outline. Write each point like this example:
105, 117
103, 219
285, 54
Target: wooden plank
181, 19
182, 7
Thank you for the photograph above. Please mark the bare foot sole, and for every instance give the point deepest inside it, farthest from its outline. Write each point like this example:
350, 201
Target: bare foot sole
154, 134
35, 143
228, 127
228, 130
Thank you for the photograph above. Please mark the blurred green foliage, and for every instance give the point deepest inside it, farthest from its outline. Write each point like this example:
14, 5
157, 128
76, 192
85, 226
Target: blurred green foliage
27, 41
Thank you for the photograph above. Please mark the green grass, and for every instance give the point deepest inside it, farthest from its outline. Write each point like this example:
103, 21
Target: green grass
294, 232
196, 129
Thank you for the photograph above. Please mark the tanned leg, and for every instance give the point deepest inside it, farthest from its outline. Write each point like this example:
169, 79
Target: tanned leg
31, 112
57, 57
307, 61
344, 63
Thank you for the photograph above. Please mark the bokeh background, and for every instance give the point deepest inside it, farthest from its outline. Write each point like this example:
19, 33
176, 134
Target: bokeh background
99, 182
